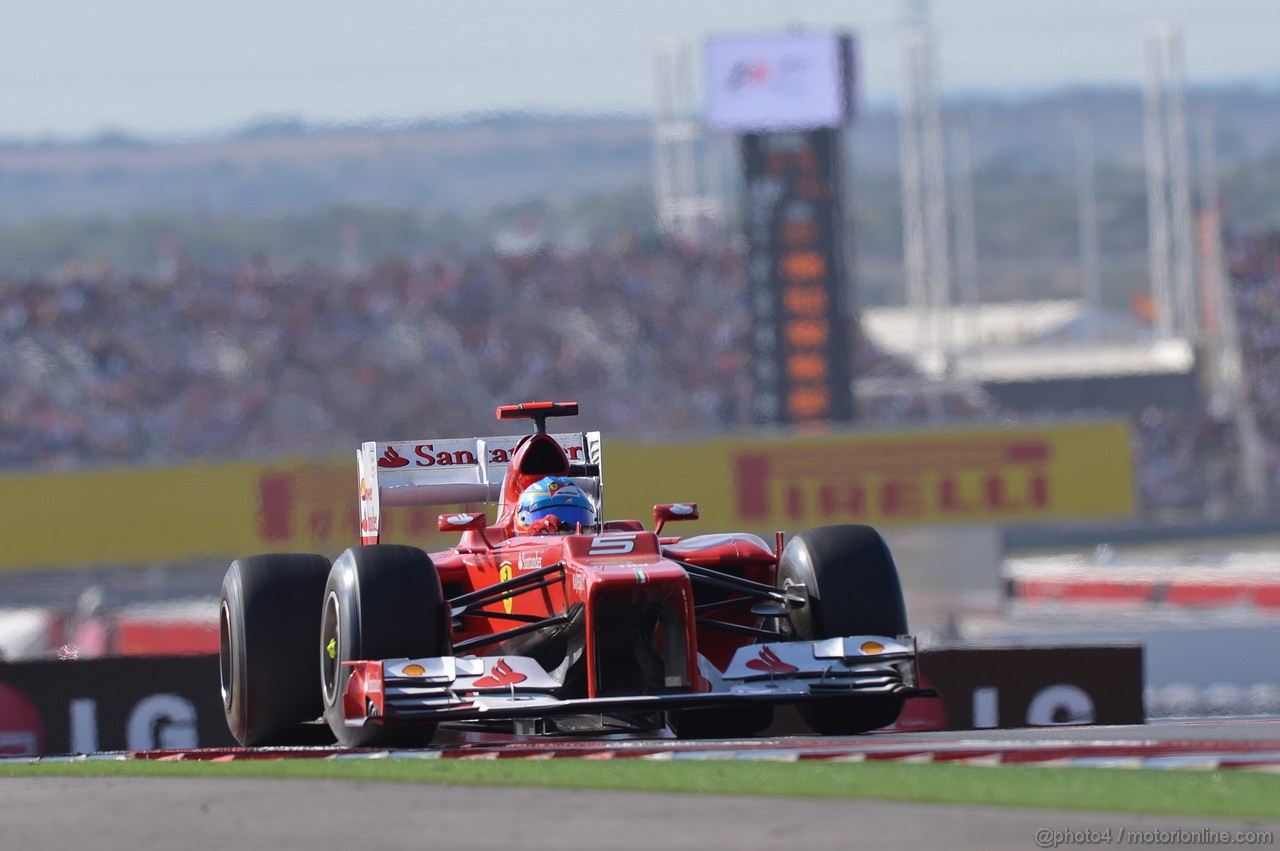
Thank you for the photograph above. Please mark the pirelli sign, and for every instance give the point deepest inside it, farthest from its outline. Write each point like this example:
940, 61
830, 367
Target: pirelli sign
926, 477
144, 516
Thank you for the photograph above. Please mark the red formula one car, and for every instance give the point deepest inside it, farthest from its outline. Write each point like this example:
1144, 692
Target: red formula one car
551, 621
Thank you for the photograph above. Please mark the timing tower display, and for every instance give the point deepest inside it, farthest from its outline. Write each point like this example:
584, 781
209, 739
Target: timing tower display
787, 98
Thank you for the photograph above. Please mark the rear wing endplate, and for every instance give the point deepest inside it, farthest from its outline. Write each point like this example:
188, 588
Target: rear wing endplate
456, 471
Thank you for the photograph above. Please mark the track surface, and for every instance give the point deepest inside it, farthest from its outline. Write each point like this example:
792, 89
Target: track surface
55, 814
204, 815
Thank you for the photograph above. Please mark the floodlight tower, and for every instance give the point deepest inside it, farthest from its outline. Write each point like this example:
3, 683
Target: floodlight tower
911, 183
1180, 191
1171, 250
965, 234
1229, 393
923, 182
1157, 182
1088, 225
683, 208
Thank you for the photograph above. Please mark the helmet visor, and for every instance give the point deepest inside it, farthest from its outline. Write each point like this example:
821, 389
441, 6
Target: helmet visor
570, 516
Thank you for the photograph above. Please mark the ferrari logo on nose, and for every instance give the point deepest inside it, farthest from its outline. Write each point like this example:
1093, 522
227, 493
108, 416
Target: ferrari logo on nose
504, 573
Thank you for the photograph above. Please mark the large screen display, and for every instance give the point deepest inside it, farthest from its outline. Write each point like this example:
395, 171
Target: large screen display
795, 81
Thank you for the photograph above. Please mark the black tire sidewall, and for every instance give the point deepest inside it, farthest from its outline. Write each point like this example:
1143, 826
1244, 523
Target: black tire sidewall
268, 607
852, 588
389, 605
850, 580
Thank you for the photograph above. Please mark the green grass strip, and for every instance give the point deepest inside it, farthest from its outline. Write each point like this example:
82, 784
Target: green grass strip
1185, 792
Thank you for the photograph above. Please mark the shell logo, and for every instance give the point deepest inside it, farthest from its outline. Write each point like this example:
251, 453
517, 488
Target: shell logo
871, 647
414, 670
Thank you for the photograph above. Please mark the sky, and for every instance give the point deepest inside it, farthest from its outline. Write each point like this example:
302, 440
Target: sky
158, 68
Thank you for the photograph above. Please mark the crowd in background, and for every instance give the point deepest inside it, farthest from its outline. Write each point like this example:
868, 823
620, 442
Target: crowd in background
1185, 461
1255, 275
258, 363
653, 338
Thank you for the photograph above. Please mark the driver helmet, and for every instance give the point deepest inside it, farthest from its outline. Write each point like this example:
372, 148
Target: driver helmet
554, 504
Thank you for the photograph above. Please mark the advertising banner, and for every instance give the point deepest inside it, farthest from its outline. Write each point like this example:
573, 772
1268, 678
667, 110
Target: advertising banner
989, 476
57, 707
923, 478
1010, 687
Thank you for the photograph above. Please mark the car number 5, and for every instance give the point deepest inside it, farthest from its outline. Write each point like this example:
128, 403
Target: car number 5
612, 545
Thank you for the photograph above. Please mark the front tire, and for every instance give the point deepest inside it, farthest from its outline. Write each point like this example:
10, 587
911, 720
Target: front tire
380, 602
852, 588
268, 618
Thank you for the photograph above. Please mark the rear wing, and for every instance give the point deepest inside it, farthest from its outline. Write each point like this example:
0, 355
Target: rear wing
455, 471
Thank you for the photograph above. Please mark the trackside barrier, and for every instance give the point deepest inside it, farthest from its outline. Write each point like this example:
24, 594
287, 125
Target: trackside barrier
57, 707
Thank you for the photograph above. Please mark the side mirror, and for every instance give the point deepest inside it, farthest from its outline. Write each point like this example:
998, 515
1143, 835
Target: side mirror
664, 514
463, 522
471, 526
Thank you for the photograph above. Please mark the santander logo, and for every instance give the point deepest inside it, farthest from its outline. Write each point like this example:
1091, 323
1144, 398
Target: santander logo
391, 459
769, 661
500, 675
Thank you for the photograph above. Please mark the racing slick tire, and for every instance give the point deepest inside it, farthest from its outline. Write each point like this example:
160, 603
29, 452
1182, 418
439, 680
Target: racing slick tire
269, 615
852, 588
381, 601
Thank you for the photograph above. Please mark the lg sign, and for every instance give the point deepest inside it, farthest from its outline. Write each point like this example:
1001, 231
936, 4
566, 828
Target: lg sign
1060, 703
1009, 687
157, 722
94, 705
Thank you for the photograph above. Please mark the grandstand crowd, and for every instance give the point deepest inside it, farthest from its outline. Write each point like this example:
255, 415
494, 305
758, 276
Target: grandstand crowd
1255, 277
653, 338
256, 363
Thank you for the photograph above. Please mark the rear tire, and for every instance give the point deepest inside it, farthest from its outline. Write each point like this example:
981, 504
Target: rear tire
269, 615
380, 602
852, 588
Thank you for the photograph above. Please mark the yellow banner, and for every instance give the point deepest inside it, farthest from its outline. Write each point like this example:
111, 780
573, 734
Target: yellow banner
914, 478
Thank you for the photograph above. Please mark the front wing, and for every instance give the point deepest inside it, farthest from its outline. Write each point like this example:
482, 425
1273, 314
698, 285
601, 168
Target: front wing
499, 688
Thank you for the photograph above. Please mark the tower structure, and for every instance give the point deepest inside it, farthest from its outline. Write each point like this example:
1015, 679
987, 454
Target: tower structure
1229, 397
923, 178
1170, 248
1086, 179
683, 191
